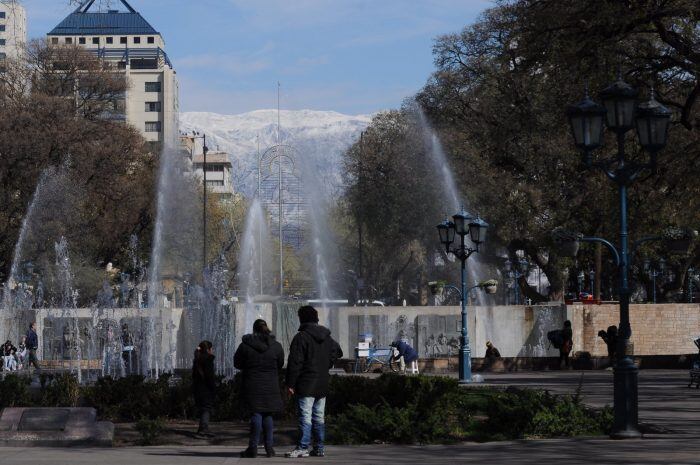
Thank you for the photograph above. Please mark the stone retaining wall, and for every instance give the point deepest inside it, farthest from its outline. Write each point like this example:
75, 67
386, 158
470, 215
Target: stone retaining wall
657, 329
517, 331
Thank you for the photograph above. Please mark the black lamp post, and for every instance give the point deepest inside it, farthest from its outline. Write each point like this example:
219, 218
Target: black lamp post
654, 271
463, 225
651, 120
515, 273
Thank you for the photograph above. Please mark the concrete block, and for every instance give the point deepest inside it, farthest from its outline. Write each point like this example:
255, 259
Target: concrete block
54, 427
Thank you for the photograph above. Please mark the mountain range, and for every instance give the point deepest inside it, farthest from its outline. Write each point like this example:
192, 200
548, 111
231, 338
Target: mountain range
321, 137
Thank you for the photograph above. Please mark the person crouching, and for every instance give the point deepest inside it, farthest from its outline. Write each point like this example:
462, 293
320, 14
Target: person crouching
260, 358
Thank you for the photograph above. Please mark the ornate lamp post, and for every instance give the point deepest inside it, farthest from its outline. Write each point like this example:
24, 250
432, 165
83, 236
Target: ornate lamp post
691, 277
654, 271
651, 120
463, 225
515, 274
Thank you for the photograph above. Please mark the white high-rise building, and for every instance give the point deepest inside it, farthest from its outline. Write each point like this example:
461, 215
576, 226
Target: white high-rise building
126, 39
13, 29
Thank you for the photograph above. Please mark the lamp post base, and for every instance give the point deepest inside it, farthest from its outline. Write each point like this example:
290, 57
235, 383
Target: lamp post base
625, 385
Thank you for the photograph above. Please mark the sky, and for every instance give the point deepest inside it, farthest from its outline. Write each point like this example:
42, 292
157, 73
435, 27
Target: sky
351, 56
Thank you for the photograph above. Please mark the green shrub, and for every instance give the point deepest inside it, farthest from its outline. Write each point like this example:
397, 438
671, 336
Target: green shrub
150, 430
59, 390
400, 409
14, 391
131, 398
518, 413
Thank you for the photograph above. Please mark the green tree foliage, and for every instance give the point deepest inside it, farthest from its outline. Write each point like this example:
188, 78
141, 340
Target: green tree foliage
498, 98
392, 196
54, 113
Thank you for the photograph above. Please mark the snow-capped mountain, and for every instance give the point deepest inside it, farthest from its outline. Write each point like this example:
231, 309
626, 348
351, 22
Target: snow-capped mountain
322, 136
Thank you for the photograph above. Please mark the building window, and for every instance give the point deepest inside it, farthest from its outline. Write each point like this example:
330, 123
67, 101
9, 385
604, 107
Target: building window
2, 28
153, 87
151, 40
2, 41
137, 40
81, 41
215, 183
152, 106
2, 55
96, 41
2, 15
153, 126
69, 40
215, 168
54, 40
110, 40
123, 40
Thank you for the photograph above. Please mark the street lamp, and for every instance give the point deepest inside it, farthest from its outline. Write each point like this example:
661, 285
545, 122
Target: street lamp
463, 225
651, 120
654, 271
515, 273
691, 277
205, 150
581, 281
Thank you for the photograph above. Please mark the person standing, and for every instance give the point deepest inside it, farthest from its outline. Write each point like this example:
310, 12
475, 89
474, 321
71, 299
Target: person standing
311, 356
260, 358
32, 346
128, 352
567, 343
204, 386
610, 339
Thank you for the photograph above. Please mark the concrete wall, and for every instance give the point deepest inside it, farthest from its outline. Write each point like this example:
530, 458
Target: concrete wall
657, 329
517, 331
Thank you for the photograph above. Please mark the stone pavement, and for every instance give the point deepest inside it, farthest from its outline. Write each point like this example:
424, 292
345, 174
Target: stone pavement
669, 410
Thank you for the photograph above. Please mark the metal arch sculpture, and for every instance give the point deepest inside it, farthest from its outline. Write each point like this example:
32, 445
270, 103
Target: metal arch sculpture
282, 196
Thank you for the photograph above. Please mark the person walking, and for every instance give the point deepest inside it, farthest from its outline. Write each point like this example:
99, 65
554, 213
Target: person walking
311, 356
204, 386
32, 347
260, 358
567, 343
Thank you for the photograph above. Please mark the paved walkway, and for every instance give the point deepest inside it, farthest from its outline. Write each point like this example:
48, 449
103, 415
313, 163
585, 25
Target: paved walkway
668, 409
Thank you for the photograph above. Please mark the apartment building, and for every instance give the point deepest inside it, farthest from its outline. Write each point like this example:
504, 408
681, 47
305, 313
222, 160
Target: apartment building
125, 38
13, 30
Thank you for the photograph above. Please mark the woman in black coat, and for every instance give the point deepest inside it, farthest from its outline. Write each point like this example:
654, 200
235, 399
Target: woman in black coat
260, 358
204, 385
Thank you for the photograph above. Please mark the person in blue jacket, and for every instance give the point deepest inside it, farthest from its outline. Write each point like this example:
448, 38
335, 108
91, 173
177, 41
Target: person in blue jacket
404, 354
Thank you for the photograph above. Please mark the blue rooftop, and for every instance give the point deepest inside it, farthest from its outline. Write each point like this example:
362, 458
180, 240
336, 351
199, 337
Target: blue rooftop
84, 22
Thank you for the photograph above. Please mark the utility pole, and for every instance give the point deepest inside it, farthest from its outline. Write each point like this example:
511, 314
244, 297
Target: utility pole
280, 214
204, 209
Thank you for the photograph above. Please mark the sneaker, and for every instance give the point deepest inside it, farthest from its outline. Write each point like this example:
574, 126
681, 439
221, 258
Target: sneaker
297, 453
318, 453
270, 452
250, 453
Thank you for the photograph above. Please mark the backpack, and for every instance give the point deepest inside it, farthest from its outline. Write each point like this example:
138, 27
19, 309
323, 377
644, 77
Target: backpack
556, 337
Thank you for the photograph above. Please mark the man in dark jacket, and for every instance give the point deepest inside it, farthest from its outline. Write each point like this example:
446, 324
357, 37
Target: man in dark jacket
260, 358
32, 346
311, 355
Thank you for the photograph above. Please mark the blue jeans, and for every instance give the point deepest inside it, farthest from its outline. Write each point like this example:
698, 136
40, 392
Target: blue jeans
311, 420
260, 422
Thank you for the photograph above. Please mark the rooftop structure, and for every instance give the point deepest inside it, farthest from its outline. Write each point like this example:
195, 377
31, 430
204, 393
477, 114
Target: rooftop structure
124, 38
